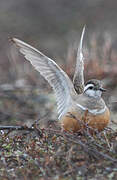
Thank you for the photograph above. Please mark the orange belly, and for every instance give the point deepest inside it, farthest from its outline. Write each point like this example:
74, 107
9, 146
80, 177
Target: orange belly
74, 121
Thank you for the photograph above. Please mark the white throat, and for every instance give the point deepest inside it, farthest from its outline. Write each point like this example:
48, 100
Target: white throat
93, 93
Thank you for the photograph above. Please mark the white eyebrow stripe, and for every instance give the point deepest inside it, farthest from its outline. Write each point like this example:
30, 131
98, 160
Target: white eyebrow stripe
87, 86
92, 111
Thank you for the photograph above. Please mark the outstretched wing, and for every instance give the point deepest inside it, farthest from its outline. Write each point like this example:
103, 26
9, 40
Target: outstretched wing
56, 77
78, 79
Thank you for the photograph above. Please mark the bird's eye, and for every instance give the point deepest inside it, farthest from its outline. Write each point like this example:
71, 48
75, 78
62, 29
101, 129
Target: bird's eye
91, 87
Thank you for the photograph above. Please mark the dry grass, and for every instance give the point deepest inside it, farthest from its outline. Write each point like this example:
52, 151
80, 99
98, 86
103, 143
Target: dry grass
49, 153
54, 154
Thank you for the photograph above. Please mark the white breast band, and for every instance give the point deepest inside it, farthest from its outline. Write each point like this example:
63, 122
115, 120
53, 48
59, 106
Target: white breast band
92, 111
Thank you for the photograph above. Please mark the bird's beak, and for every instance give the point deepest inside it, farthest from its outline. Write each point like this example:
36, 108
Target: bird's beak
102, 89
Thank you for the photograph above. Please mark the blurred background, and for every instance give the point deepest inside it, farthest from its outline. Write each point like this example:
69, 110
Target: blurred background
54, 27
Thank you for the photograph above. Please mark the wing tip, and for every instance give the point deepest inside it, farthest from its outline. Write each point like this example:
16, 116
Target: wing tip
13, 40
82, 36
84, 28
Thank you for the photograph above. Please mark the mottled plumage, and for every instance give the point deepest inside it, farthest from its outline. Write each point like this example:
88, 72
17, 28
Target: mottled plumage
72, 106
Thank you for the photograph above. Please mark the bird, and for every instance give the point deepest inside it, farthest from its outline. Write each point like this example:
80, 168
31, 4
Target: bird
79, 105
88, 109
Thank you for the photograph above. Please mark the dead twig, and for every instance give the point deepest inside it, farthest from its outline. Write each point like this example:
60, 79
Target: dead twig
12, 128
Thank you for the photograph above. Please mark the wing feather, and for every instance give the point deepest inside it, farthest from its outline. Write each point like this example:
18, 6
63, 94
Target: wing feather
56, 77
78, 78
